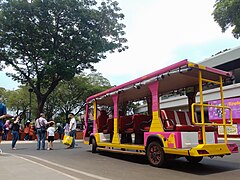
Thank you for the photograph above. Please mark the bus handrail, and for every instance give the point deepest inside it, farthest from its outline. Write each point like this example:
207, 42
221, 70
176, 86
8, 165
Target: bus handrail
229, 123
203, 124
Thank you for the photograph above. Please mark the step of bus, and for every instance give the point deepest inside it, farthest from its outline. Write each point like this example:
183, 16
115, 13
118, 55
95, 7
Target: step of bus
124, 151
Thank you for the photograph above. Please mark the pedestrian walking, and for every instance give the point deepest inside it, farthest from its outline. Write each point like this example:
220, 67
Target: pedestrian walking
6, 129
41, 124
66, 127
50, 135
72, 129
15, 131
26, 130
32, 132
60, 131
3, 111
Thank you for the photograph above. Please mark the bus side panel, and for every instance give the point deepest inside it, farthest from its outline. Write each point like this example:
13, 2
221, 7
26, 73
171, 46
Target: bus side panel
170, 139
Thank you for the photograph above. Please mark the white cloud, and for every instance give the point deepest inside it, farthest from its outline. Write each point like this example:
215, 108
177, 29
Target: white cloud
155, 28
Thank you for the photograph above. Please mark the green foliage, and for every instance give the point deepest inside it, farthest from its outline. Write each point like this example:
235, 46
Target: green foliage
18, 100
71, 95
47, 41
97, 79
2, 92
227, 14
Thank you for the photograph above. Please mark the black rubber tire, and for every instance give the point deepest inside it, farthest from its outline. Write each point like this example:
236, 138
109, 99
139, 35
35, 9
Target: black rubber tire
194, 160
94, 145
155, 154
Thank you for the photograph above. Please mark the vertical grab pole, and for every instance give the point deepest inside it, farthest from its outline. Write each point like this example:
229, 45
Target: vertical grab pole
95, 128
201, 106
116, 139
223, 111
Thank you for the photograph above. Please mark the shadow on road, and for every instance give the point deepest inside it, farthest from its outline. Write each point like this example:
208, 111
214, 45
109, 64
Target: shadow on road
140, 159
205, 167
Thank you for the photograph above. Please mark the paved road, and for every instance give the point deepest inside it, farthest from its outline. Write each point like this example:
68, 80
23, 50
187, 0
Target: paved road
27, 163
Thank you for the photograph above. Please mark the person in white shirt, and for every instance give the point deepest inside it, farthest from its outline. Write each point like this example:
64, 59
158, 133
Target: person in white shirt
40, 125
72, 129
50, 135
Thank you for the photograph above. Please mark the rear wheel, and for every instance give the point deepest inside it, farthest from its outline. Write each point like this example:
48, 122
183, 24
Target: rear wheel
155, 154
94, 145
194, 160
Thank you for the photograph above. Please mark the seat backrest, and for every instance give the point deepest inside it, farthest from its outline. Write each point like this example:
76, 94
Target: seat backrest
183, 119
123, 120
171, 115
102, 120
179, 117
110, 125
163, 114
137, 119
189, 115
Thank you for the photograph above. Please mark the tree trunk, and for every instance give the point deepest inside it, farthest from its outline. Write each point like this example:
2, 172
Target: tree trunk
42, 98
41, 101
67, 113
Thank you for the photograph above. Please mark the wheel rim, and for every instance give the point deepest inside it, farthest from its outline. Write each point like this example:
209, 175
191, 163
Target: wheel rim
155, 154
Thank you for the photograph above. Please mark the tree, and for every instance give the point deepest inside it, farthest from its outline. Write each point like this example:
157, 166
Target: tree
2, 91
48, 41
18, 100
227, 14
98, 80
72, 95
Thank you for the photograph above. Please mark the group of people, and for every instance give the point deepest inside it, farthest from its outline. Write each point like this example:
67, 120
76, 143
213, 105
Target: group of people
47, 129
43, 129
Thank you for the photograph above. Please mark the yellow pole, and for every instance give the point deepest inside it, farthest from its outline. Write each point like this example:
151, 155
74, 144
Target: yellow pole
116, 138
201, 106
223, 111
95, 116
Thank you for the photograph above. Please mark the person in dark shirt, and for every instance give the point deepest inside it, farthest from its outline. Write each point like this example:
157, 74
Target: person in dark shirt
60, 131
3, 111
15, 131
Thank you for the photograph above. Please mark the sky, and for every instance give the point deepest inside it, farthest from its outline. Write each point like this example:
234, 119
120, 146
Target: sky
160, 33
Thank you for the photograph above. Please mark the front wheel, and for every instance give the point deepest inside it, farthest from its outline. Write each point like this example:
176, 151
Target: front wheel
94, 145
194, 160
155, 154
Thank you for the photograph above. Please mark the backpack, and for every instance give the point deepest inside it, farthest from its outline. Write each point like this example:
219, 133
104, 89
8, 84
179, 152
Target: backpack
42, 126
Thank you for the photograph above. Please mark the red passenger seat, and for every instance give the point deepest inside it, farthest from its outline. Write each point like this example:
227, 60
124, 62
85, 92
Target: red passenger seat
138, 120
179, 119
183, 121
126, 128
109, 127
126, 124
207, 128
102, 120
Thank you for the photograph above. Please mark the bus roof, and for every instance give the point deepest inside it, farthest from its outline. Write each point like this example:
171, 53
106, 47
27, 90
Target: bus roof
176, 76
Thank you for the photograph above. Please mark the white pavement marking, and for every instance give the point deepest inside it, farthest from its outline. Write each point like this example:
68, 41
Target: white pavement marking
67, 168
67, 175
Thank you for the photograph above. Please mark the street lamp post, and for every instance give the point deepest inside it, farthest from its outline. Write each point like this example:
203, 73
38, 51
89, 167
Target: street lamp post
30, 90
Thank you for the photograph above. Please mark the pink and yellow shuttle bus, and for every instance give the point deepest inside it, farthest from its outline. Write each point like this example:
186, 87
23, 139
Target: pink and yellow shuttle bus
112, 125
